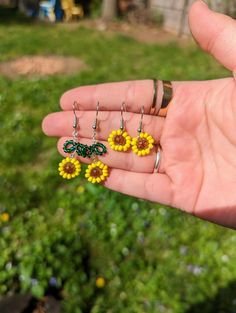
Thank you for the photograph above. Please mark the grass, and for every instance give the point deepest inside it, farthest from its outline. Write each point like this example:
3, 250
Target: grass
153, 258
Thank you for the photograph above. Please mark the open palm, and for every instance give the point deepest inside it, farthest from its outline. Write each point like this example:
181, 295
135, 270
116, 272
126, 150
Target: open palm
198, 137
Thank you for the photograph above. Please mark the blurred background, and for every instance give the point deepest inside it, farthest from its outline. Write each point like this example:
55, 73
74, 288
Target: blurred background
73, 247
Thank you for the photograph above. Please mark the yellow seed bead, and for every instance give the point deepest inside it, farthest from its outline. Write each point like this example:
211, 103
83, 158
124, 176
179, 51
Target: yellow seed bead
139, 153
145, 135
102, 177
90, 179
86, 175
105, 167
128, 142
151, 140
136, 150
147, 151
143, 152
98, 180
120, 148
119, 132
150, 146
64, 175
109, 139
116, 148
94, 180
125, 148
149, 137
105, 174
141, 135
113, 132
125, 134
113, 147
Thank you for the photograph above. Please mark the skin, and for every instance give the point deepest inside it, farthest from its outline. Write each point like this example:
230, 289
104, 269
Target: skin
198, 136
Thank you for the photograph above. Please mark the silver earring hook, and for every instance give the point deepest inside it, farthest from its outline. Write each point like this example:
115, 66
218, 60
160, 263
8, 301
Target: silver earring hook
122, 122
75, 125
75, 107
96, 118
141, 120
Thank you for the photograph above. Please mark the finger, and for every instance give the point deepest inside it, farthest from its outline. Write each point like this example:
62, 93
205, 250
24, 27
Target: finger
135, 94
60, 124
214, 32
122, 160
153, 187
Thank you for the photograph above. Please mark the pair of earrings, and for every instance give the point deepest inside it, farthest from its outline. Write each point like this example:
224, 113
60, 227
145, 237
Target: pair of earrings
70, 167
119, 140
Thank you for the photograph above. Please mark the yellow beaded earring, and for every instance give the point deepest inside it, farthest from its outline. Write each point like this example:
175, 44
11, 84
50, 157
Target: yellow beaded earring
70, 167
97, 171
143, 143
119, 140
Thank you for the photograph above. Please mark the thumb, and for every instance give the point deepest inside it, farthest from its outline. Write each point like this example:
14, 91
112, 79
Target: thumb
215, 33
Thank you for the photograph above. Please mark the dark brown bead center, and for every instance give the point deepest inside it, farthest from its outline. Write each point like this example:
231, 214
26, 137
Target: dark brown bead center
142, 143
119, 140
69, 168
96, 172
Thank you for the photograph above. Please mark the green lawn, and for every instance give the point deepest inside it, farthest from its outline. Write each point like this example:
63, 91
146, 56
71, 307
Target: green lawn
66, 234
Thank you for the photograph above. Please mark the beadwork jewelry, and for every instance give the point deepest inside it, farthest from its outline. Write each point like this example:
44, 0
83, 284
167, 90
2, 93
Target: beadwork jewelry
119, 140
70, 167
97, 171
143, 143
74, 146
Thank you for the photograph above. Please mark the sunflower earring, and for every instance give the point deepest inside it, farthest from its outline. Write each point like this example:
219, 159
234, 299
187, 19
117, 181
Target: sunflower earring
97, 171
70, 167
143, 143
119, 140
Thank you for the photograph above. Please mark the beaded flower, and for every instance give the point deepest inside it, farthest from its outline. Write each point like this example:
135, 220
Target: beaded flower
119, 140
69, 168
96, 172
142, 144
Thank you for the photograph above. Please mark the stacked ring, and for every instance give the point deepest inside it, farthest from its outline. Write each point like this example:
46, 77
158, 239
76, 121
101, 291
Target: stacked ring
163, 93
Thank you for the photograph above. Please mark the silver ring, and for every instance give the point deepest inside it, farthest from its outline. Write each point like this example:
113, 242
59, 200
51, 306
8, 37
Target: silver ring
158, 160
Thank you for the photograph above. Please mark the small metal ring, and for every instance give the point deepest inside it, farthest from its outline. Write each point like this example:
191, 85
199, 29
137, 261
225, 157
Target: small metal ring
158, 160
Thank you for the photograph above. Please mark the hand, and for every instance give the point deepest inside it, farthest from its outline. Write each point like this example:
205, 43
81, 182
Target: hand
198, 136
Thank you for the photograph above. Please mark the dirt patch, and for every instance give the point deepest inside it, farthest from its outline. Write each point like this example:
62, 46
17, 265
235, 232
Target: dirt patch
146, 33
41, 66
